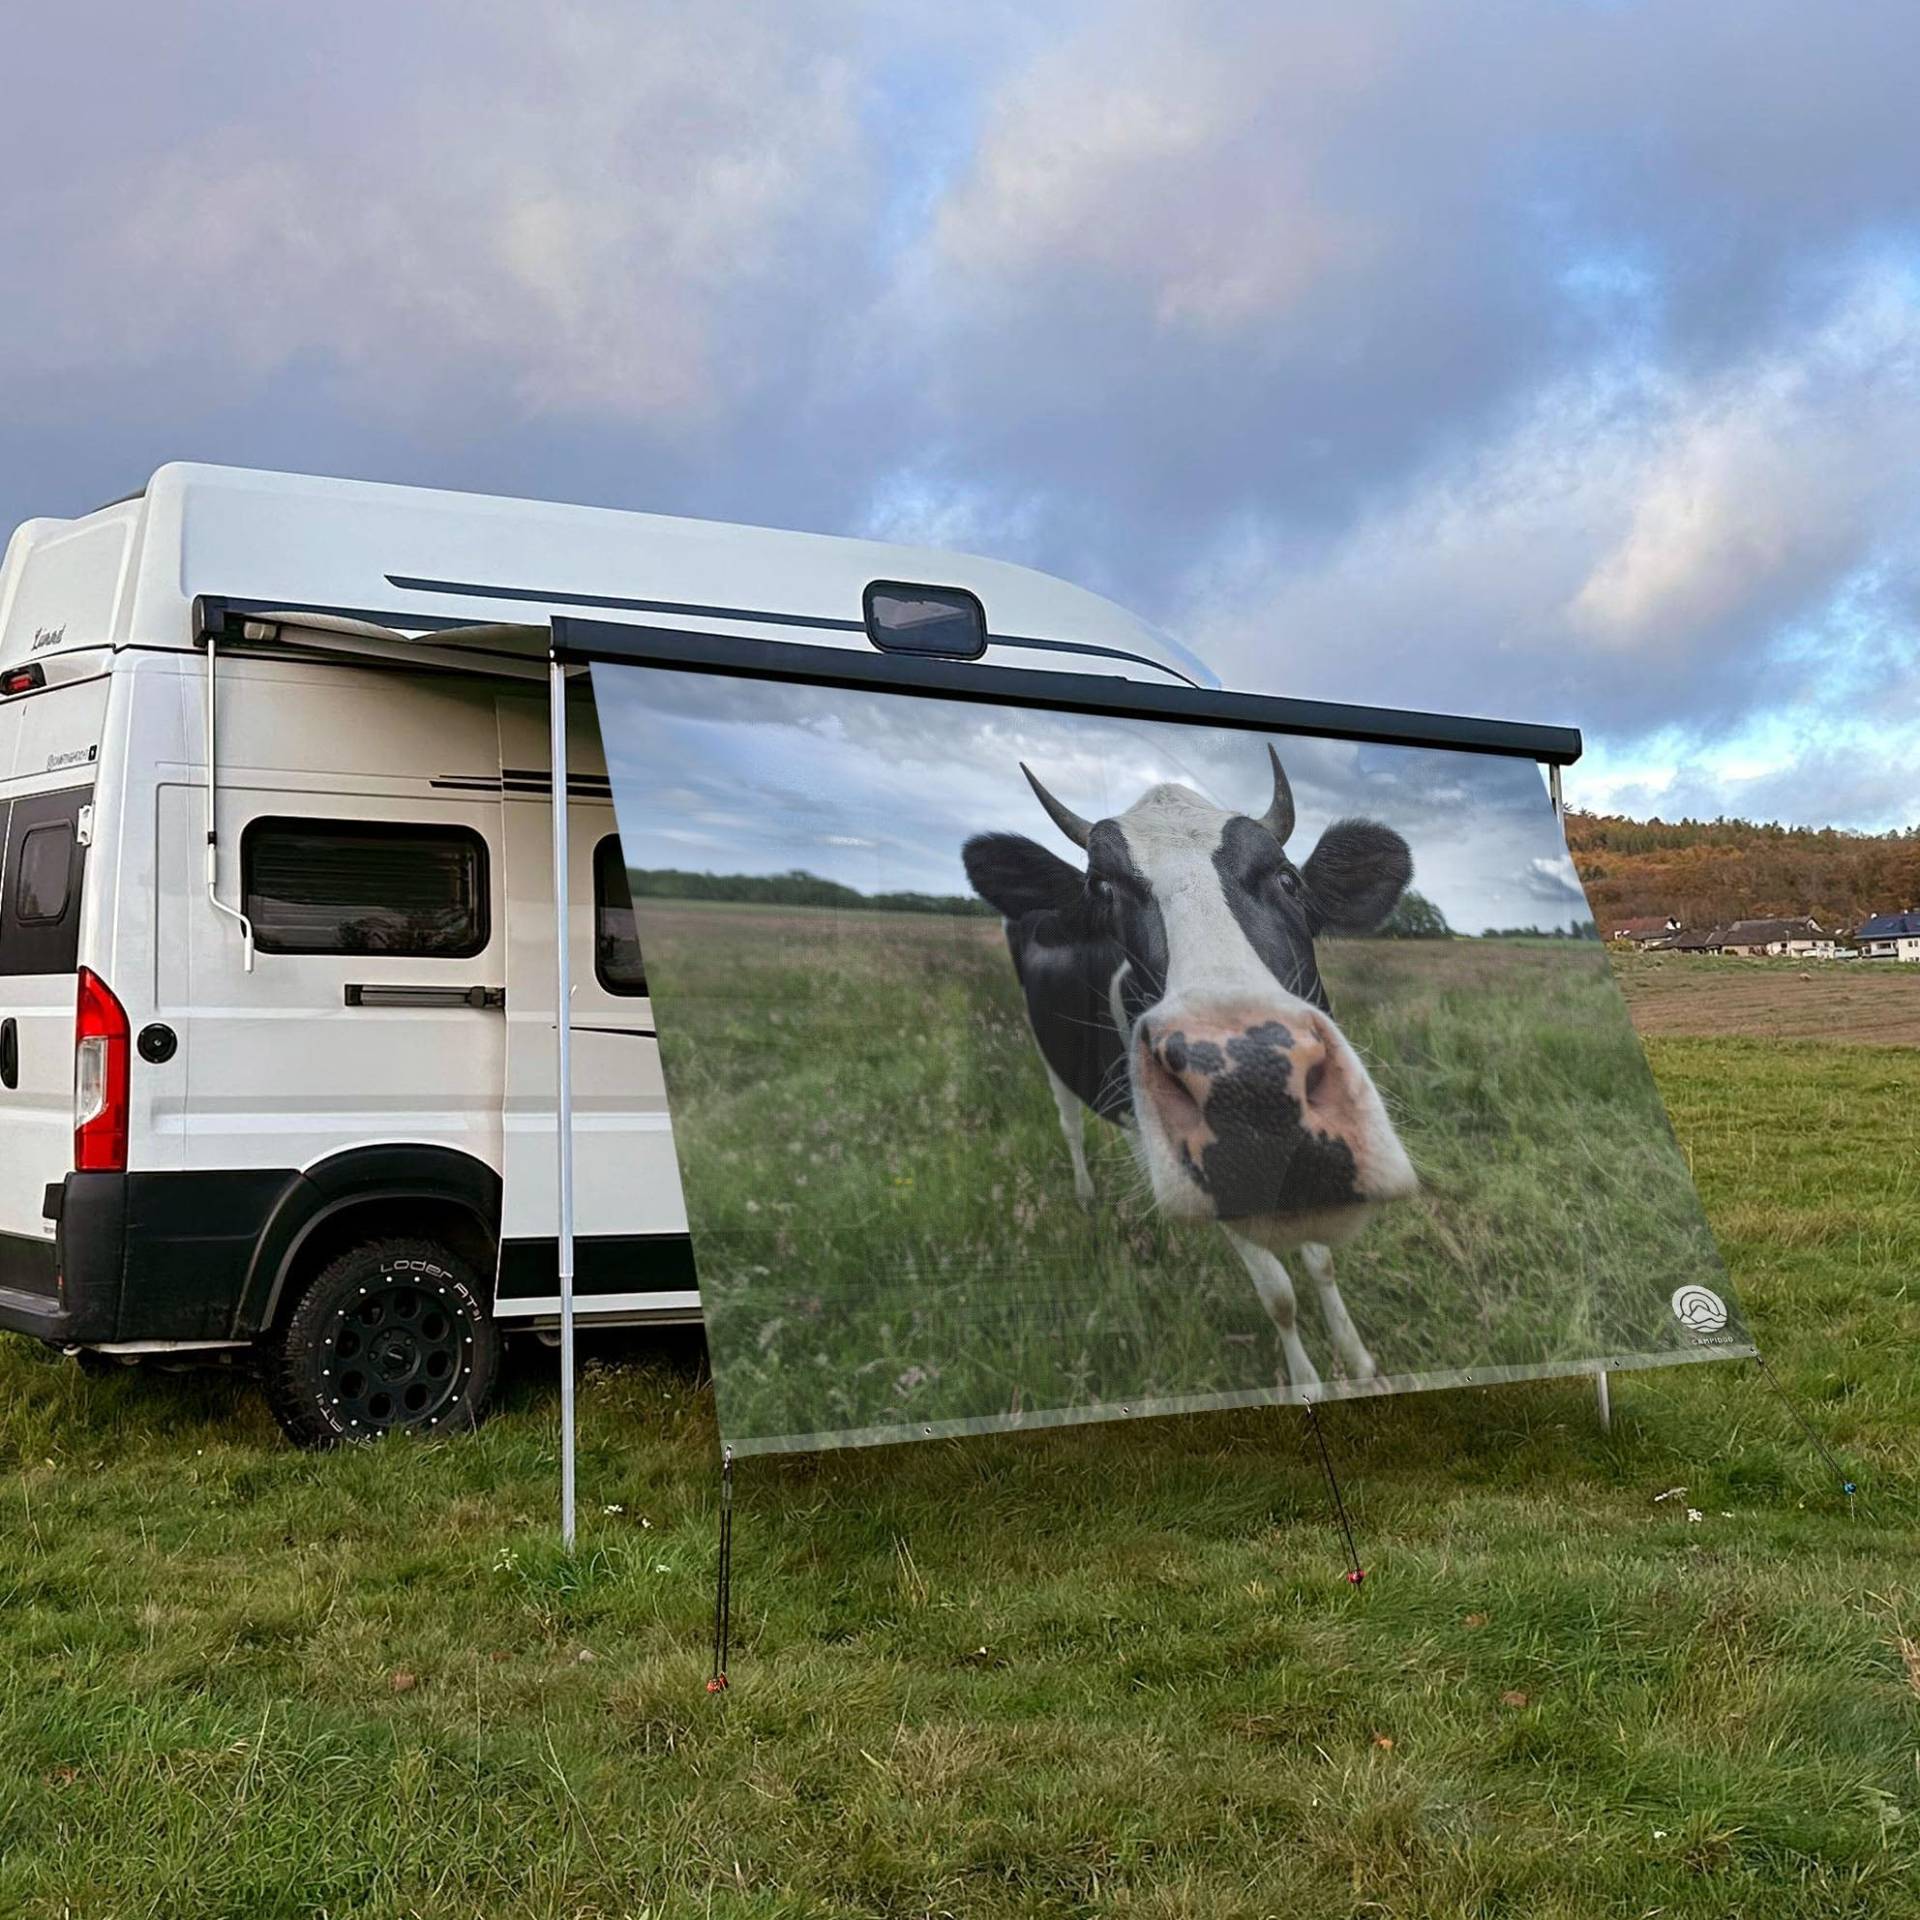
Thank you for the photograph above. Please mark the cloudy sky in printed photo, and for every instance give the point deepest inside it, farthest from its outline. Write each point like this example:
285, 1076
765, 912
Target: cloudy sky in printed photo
1557, 359
880, 791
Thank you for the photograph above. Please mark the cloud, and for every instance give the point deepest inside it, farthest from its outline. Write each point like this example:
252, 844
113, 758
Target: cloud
1636, 546
580, 210
1551, 878
881, 791
1545, 359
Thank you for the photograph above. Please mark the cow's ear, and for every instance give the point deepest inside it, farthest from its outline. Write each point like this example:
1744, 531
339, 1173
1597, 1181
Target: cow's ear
1357, 874
1012, 873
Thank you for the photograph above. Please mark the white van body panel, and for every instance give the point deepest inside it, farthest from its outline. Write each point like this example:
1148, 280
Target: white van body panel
279, 1097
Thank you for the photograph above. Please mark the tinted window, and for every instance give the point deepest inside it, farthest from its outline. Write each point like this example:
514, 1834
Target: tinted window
43, 866
43, 879
358, 886
947, 621
616, 941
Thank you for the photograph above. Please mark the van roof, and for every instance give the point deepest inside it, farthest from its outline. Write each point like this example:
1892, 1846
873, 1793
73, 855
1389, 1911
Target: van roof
415, 557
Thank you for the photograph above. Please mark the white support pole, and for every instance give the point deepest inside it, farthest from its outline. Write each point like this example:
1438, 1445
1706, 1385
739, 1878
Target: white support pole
563, 1103
1602, 1388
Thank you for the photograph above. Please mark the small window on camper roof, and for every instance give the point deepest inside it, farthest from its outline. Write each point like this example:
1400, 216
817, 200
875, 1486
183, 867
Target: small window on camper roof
947, 622
616, 941
365, 886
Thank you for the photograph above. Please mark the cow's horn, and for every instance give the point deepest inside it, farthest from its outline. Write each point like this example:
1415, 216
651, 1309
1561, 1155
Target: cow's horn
1069, 822
1278, 818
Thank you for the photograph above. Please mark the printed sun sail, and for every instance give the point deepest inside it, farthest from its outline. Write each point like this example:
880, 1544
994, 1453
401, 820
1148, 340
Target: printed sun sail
1032, 1066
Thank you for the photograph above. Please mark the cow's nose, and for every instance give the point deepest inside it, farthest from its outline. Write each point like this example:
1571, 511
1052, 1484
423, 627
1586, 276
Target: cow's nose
1273, 1063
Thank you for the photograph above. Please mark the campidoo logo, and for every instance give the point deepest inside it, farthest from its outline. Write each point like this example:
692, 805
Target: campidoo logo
1699, 1309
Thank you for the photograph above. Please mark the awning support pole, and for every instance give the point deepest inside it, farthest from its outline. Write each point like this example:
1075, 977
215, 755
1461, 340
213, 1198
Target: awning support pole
563, 1105
1602, 1387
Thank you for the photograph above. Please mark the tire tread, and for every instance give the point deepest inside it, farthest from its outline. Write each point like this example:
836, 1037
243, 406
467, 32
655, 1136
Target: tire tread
292, 1352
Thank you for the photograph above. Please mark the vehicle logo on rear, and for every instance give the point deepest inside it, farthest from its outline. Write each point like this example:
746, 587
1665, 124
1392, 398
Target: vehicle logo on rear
79, 757
47, 637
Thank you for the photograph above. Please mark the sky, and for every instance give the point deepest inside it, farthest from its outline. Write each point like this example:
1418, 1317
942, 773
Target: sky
1558, 360
880, 791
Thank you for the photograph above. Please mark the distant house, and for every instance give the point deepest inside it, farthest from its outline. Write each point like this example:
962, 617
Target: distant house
1646, 932
1692, 940
1800, 939
1890, 936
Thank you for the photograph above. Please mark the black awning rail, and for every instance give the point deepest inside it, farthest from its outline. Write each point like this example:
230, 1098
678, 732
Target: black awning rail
1110, 695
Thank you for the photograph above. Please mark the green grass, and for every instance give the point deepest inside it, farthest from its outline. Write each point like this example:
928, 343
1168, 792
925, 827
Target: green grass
884, 1214
1105, 1670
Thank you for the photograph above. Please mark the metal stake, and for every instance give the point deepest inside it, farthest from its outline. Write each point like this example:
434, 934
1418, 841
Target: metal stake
563, 1105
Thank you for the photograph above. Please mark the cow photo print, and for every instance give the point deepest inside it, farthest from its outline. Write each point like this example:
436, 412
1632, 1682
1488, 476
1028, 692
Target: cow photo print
1034, 1067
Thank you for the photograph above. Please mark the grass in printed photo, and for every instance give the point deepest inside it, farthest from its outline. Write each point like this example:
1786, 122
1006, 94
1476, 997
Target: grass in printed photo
1667, 1669
884, 1214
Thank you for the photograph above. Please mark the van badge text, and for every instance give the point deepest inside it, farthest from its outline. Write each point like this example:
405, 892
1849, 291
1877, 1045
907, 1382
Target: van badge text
47, 637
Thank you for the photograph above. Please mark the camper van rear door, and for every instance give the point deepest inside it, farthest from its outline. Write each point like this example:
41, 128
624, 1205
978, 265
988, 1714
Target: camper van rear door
42, 875
630, 1224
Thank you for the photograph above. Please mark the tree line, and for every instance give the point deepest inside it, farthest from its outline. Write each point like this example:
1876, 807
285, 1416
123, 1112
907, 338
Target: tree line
796, 888
1414, 918
1709, 872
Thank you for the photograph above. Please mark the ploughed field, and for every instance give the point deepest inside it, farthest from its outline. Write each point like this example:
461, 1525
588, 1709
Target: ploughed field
1107, 1669
889, 1239
1861, 1002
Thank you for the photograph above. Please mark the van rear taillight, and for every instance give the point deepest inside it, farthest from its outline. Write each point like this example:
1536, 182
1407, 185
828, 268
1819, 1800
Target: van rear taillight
100, 1061
23, 679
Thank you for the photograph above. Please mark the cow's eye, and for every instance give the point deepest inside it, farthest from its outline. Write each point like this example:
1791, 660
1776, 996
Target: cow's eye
1101, 890
1289, 881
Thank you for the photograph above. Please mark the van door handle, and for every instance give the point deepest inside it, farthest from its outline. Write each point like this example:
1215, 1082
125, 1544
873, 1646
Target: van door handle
389, 995
9, 1053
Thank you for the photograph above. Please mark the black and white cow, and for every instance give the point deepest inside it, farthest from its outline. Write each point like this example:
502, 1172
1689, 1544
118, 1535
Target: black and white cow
1171, 987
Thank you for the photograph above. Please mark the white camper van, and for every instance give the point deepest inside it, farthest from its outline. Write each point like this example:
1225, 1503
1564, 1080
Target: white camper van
277, 940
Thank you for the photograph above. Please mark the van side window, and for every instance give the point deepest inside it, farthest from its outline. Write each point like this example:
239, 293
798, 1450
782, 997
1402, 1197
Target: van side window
44, 882
616, 942
44, 864
365, 886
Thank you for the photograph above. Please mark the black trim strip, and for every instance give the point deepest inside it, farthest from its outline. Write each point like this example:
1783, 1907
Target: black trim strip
211, 611
602, 1263
531, 780
619, 603
787, 661
760, 616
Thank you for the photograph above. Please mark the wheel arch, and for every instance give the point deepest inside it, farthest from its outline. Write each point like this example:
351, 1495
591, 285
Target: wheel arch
370, 1193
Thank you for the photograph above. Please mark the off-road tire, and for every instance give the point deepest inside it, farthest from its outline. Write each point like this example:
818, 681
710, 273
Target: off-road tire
392, 1336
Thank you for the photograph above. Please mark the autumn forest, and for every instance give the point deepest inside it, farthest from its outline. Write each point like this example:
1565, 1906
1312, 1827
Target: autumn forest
1708, 872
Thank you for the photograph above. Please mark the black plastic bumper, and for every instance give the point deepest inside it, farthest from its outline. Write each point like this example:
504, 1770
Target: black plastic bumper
138, 1256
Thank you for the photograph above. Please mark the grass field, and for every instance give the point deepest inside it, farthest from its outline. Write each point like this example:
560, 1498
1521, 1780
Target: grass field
884, 1215
1111, 1670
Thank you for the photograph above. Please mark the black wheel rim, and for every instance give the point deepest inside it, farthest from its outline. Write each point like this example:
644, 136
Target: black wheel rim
400, 1354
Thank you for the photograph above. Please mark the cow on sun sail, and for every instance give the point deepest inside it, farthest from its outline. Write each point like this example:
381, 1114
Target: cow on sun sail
1171, 987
